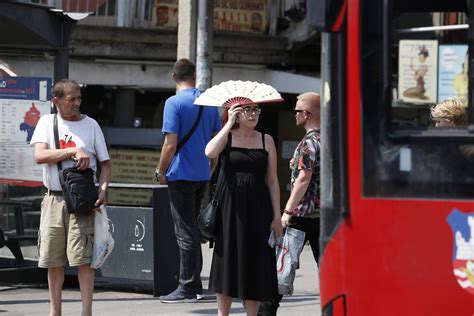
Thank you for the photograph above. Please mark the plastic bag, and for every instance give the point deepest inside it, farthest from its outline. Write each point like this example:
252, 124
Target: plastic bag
103, 241
288, 249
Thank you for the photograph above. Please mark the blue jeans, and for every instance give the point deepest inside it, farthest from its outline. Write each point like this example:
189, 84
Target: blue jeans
185, 201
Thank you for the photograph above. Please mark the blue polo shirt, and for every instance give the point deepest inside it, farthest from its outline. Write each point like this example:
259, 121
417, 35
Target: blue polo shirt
180, 113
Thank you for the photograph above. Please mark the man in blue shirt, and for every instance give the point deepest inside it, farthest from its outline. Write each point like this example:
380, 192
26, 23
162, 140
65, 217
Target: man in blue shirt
186, 170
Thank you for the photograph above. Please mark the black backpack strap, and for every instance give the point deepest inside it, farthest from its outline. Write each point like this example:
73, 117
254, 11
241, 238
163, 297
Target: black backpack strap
191, 131
56, 138
263, 140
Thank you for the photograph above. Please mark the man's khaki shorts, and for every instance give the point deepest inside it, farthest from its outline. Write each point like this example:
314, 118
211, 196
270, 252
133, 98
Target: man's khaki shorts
63, 236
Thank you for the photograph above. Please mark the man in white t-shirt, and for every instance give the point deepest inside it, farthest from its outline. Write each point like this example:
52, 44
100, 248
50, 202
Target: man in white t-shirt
65, 237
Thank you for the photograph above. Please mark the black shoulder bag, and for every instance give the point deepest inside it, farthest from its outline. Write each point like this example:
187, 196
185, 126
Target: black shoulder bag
206, 220
79, 190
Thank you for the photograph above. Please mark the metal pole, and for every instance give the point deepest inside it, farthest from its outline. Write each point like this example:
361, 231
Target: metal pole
61, 60
61, 65
204, 49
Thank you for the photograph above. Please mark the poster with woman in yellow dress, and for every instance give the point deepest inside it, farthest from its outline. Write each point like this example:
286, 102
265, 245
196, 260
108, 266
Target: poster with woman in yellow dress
453, 77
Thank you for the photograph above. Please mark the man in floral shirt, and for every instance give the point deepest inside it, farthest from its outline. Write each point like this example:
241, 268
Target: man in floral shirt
306, 157
302, 208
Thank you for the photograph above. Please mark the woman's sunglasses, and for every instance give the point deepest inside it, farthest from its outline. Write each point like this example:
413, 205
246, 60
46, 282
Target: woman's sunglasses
252, 110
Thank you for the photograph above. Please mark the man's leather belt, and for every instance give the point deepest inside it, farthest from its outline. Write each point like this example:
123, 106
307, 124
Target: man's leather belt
55, 193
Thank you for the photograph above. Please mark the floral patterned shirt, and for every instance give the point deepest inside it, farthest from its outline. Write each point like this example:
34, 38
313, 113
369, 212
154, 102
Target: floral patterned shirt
307, 157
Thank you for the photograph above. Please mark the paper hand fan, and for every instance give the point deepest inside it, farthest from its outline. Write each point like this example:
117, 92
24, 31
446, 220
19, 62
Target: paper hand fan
233, 92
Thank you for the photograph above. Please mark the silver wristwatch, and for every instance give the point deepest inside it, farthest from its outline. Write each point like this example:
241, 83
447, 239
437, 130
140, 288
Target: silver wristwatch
158, 174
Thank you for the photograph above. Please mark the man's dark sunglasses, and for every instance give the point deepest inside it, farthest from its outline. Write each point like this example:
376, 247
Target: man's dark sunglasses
298, 111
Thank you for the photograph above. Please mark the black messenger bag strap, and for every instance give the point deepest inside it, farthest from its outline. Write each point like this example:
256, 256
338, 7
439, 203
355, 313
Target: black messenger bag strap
56, 139
191, 131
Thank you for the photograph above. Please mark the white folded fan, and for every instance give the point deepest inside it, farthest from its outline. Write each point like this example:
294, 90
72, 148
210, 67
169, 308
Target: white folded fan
233, 92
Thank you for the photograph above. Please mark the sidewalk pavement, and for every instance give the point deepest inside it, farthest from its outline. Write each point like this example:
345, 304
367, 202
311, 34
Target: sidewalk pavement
19, 300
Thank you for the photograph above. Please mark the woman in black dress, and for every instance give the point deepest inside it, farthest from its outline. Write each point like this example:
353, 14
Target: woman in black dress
243, 264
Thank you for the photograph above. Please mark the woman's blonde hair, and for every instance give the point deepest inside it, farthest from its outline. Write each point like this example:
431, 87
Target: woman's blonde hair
452, 109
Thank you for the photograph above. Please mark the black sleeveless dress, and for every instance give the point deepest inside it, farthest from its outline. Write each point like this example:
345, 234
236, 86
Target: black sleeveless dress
243, 265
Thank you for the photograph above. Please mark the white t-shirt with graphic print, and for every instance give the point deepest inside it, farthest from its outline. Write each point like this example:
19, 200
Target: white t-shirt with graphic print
85, 134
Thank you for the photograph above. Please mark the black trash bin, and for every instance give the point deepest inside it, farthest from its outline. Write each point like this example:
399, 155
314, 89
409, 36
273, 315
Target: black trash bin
145, 252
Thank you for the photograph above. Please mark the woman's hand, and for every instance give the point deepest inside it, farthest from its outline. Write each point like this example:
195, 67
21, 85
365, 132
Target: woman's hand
215, 146
276, 226
233, 113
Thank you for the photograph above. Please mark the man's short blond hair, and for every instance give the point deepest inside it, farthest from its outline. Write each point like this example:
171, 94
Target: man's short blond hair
312, 99
452, 109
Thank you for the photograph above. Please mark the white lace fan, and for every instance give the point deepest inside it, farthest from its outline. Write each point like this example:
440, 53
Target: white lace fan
232, 92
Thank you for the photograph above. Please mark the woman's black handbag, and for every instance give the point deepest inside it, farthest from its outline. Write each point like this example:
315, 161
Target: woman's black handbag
207, 219
79, 190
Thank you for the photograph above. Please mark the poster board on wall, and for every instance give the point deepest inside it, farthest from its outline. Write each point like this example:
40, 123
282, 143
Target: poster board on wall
453, 77
132, 166
229, 15
240, 15
23, 100
417, 69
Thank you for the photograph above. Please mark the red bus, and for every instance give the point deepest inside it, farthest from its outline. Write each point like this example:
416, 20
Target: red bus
397, 193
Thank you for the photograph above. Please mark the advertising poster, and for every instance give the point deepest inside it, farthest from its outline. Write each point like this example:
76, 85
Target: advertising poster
453, 77
229, 15
23, 100
165, 13
240, 15
417, 69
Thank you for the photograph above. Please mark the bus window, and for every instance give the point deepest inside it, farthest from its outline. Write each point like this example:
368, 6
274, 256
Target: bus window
417, 60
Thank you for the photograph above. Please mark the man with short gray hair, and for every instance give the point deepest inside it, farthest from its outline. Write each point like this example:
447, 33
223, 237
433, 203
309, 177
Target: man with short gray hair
65, 237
